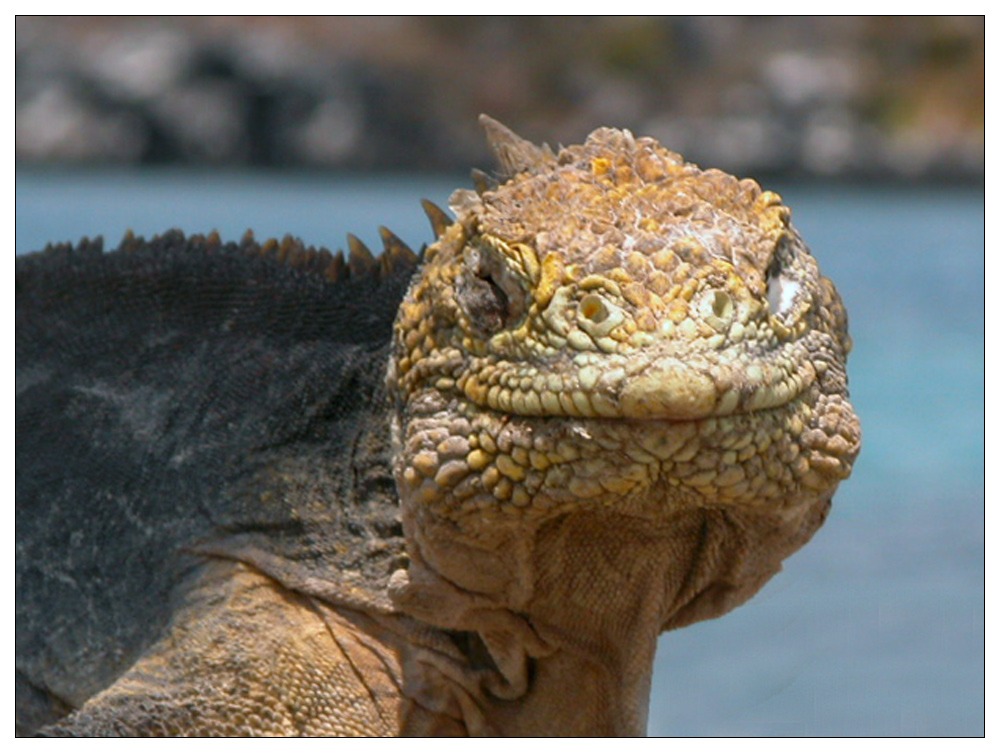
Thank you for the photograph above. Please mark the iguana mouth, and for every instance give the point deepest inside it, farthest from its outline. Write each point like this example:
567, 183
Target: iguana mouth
656, 388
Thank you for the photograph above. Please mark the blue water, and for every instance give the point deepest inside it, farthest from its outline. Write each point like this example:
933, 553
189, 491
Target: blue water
876, 627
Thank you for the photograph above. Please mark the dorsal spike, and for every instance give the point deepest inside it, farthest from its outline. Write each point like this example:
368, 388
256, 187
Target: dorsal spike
396, 254
290, 247
335, 270
395, 250
127, 242
482, 181
360, 260
91, 245
357, 246
514, 154
437, 216
270, 247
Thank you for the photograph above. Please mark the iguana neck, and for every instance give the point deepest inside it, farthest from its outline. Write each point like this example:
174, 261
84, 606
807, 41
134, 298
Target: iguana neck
565, 618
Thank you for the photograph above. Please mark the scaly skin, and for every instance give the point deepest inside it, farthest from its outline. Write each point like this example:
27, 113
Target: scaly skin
617, 401
611, 340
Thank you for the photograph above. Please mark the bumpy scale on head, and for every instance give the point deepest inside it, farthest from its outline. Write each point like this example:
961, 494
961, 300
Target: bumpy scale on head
610, 322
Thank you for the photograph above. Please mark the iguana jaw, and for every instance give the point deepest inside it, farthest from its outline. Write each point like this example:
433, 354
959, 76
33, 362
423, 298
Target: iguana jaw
650, 388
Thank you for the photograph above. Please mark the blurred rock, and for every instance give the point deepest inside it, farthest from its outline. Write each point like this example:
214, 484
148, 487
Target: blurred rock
833, 97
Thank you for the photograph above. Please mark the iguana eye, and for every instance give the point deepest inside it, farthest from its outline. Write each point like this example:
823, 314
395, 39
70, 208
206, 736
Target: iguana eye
488, 292
782, 289
484, 301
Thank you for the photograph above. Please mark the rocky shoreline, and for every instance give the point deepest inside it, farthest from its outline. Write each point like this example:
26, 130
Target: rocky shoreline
804, 97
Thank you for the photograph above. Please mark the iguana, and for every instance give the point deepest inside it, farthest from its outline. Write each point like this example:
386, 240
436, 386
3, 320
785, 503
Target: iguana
265, 490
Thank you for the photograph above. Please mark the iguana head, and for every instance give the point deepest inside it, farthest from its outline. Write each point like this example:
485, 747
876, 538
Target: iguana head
612, 327
651, 288
614, 281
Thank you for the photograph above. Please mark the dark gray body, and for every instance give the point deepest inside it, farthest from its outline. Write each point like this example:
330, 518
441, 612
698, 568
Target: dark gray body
179, 399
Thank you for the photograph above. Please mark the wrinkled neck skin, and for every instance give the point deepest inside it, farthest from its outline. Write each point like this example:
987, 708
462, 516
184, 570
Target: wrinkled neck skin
555, 604
559, 649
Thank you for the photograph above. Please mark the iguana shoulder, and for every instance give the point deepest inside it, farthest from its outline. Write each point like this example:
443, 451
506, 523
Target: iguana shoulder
180, 397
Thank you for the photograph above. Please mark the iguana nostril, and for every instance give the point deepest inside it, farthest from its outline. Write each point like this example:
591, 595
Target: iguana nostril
722, 305
594, 308
716, 307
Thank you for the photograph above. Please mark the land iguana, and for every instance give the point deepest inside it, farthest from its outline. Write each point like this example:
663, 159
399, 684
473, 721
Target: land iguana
267, 490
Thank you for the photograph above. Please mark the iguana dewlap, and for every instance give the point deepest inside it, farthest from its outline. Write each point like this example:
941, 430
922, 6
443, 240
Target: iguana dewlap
266, 490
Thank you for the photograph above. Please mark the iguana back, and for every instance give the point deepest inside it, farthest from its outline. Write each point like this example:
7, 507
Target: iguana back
179, 395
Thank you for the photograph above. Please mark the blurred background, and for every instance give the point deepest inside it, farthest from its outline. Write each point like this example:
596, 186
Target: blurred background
872, 129
872, 97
